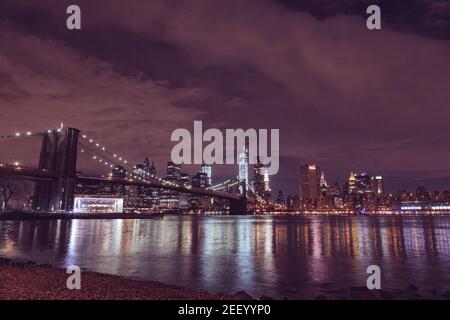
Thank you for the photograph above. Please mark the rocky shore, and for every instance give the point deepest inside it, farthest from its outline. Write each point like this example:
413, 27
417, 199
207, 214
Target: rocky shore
20, 281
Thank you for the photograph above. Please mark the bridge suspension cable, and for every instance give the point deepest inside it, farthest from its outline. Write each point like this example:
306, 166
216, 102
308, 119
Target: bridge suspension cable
21, 148
100, 153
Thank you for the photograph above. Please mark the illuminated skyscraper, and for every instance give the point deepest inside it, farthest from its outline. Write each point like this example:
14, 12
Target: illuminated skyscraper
243, 166
200, 180
119, 172
351, 184
359, 183
266, 182
258, 178
207, 169
310, 175
173, 171
153, 170
378, 185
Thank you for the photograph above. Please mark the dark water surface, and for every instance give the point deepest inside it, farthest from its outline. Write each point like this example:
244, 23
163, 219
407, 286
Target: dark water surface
275, 256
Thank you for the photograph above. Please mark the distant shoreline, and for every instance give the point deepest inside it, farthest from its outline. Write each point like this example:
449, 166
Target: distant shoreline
71, 216
11, 216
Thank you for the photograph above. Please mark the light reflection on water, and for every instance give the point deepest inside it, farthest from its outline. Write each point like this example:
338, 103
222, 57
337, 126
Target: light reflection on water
275, 256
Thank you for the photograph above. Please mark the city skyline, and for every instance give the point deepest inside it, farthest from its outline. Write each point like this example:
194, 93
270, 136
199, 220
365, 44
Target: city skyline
150, 71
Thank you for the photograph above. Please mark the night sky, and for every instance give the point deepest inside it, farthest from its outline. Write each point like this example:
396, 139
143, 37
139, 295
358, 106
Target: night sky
344, 97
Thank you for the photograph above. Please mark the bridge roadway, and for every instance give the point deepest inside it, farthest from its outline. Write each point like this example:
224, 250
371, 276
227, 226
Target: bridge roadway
44, 175
160, 185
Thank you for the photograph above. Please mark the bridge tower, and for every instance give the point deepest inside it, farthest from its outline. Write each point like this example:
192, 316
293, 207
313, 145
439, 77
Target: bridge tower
59, 158
239, 207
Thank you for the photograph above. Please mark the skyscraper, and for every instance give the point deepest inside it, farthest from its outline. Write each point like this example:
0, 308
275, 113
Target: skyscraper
243, 166
258, 178
267, 189
119, 172
153, 170
310, 175
200, 180
280, 198
351, 184
378, 185
359, 183
173, 171
207, 169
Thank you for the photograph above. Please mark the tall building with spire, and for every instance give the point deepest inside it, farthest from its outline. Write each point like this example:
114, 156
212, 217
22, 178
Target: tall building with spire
207, 169
243, 166
352, 183
267, 189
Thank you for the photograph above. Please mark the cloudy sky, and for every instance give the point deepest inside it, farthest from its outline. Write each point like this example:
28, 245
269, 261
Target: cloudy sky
344, 97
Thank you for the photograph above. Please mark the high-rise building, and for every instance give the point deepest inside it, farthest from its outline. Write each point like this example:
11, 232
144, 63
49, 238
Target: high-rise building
243, 166
207, 169
310, 175
153, 170
258, 178
363, 183
200, 180
280, 198
378, 185
185, 180
359, 183
147, 165
139, 172
173, 171
351, 184
144, 171
119, 172
267, 189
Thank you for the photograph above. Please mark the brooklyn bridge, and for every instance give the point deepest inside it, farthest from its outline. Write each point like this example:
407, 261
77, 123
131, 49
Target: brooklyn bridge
55, 174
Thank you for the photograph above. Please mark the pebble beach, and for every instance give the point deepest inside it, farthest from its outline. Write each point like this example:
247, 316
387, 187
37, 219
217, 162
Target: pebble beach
27, 281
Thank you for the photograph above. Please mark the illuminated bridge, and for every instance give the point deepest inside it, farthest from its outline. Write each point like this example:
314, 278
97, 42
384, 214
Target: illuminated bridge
56, 175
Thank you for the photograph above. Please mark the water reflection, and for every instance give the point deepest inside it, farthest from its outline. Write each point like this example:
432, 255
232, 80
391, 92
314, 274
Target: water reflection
263, 255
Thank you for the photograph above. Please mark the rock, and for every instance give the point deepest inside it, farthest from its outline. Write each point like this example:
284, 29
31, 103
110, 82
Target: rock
412, 288
386, 295
242, 295
433, 291
264, 297
321, 297
361, 293
327, 285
